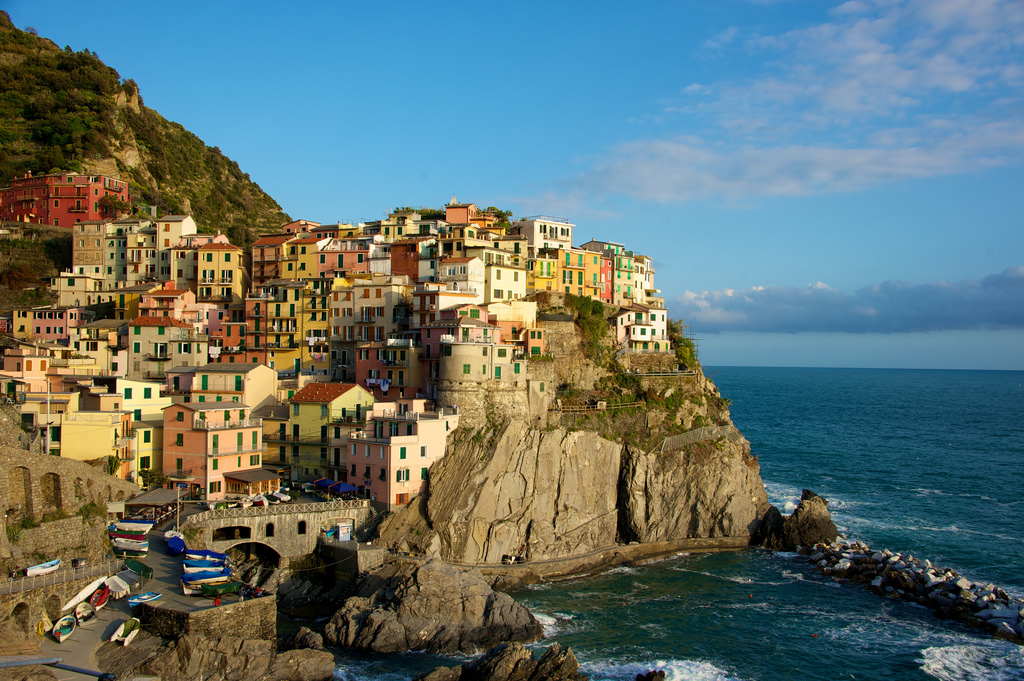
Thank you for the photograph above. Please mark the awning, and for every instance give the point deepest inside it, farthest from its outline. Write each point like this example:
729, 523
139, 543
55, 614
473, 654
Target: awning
155, 497
254, 475
334, 486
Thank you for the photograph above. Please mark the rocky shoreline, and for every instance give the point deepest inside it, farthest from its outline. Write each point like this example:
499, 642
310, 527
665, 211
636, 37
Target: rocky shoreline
904, 577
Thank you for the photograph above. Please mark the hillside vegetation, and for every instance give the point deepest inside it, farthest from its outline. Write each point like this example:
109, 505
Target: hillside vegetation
62, 110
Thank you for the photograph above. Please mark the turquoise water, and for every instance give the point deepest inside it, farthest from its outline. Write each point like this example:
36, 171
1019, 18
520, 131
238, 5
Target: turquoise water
929, 462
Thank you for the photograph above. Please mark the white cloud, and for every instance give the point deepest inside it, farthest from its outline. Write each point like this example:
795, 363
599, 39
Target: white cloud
900, 89
995, 302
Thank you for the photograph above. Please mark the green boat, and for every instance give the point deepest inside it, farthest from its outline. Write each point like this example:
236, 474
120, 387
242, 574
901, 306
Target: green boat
220, 589
141, 569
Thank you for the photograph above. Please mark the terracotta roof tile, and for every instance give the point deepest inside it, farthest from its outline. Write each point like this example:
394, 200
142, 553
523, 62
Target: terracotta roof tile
159, 321
322, 392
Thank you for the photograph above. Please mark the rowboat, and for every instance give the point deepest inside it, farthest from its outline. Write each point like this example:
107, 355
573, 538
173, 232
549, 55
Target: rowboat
99, 598
128, 630
85, 613
131, 545
175, 546
43, 568
203, 565
259, 500
143, 598
204, 554
134, 525
281, 496
220, 589
84, 593
64, 627
137, 536
141, 569
207, 577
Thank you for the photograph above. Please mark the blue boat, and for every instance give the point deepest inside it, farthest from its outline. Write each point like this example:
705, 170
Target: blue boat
143, 598
206, 576
204, 554
203, 565
175, 546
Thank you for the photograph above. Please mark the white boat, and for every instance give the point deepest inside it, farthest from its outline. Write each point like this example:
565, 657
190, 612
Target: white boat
173, 533
245, 503
43, 568
143, 598
127, 632
84, 593
193, 566
131, 545
64, 627
281, 496
85, 613
259, 500
118, 587
133, 525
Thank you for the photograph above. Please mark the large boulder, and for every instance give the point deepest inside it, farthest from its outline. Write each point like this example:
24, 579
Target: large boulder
438, 608
811, 522
512, 662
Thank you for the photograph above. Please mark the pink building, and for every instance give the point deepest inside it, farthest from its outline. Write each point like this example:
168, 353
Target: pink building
216, 448
390, 460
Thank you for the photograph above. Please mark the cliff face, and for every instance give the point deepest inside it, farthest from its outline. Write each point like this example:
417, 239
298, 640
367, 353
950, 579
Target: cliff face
545, 493
513, 489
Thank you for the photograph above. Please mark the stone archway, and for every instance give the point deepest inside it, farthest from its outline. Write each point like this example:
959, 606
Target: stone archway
19, 486
20, 617
50, 492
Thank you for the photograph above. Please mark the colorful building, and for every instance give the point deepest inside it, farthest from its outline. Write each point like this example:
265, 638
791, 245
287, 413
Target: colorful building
60, 199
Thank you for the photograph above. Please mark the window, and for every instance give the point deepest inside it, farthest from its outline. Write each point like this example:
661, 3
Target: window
128, 391
401, 475
497, 372
180, 416
146, 435
179, 440
502, 352
147, 393
213, 465
423, 473
302, 527
295, 410
401, 452
465, 368
254, 460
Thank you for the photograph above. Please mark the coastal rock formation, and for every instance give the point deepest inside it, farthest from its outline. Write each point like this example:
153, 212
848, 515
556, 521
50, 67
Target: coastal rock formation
810, 524
701, 485
437, 607
905, 577
544, 493
513, 662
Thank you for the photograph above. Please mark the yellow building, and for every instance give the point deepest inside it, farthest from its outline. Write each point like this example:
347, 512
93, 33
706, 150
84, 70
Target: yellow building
223, 277
148, 446
543, 272
322, 416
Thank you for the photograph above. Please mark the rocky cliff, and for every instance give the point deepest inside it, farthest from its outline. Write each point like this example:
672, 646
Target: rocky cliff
513, 489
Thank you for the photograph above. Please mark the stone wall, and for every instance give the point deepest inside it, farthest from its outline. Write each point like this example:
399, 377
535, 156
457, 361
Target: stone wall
254, 618
66, 539
646, 362
34, 484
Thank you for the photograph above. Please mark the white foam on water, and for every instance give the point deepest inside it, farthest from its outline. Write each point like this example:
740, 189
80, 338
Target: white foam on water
623, 570
557, 623
675, 670
988, 661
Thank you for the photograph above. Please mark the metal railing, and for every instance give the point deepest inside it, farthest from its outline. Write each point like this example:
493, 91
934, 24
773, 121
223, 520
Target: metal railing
19, 584
278, 509
203, 424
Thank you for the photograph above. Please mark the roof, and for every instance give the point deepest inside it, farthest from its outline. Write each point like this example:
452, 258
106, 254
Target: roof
271, 411
252, 475
173, 218
214, 246
272, 240
240, 367
169, 293
154, 497
159, 321
322, 392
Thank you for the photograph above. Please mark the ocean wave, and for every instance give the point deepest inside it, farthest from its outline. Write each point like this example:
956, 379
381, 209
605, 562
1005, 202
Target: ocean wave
988, 661
558, 623
623, 570
675, 670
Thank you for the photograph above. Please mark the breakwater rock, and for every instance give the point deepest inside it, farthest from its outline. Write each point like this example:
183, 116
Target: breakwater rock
810, 524
436, 607
513, 662
901, 576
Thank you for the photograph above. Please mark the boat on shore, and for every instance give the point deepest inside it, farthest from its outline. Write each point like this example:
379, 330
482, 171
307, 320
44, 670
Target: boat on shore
100, 597
143, 598
192, 566
127, 632
131, 545
85, 613
220, 589
281, 496
63, 628
205, 554
206, 577
259, 500
133, 525
139, 568
43, 568
175, 545
89, 589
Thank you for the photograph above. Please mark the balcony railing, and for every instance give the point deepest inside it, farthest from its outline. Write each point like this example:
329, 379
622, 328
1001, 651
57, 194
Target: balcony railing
180, 474
203, 424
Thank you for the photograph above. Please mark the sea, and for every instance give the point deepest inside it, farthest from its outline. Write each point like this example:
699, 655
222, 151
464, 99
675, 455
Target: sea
924, 462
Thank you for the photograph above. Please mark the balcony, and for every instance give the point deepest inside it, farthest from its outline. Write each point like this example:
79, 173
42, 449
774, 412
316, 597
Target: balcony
298, 439
180, 474
203, 424
157, 375
157, 356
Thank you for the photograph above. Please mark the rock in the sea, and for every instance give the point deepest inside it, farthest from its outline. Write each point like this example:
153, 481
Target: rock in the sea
307, 638
512, 662
770, 531
438, 608
810, 524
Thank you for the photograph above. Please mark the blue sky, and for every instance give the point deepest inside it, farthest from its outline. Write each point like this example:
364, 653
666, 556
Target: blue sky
819, 183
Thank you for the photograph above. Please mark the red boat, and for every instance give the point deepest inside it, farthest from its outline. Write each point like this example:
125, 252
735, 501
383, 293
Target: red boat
127, 535
100, 597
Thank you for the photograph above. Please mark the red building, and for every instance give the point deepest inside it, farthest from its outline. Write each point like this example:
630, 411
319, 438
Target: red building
60, 199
